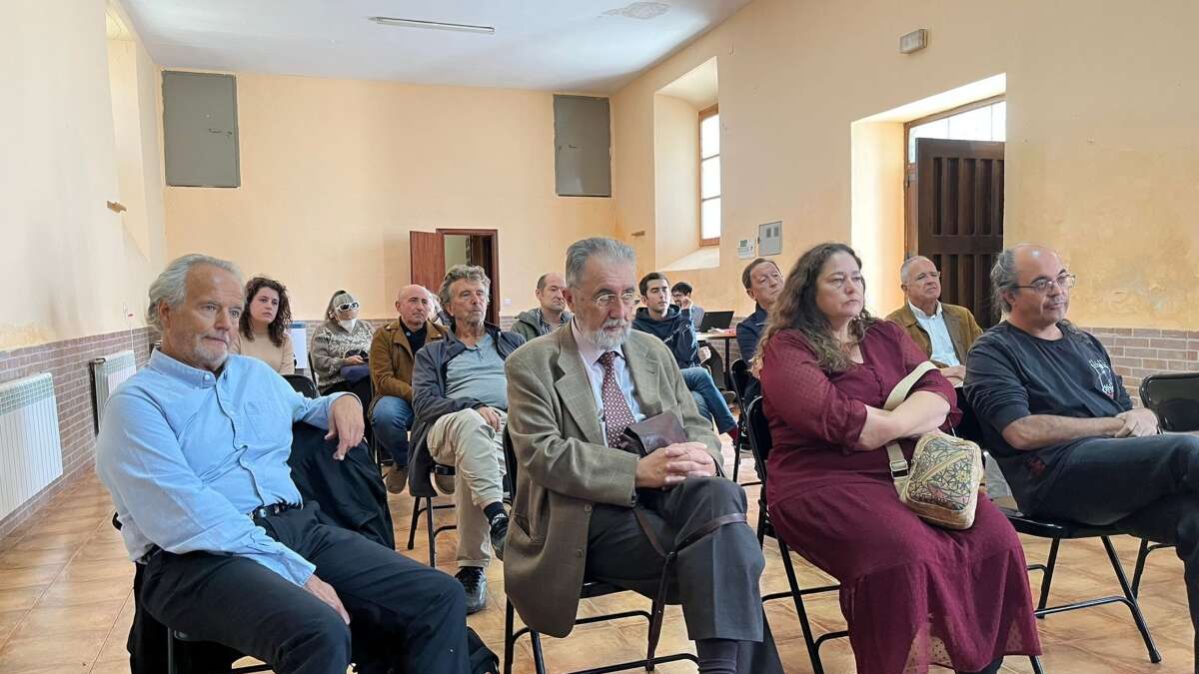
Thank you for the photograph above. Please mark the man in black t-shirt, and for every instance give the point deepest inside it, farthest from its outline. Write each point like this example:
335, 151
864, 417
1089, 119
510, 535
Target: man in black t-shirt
1057, 418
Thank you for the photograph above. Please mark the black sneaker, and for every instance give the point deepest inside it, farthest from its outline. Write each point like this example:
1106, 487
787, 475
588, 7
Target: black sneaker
474, 583
499, 534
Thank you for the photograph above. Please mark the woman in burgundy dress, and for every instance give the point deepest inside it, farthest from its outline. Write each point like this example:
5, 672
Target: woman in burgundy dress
912, 594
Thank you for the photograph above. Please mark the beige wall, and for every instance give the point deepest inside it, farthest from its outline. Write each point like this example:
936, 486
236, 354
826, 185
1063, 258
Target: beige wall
676, 178
1102, 153
70, 265
335, 173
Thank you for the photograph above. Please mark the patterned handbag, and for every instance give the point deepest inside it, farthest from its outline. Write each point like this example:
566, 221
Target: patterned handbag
941, 485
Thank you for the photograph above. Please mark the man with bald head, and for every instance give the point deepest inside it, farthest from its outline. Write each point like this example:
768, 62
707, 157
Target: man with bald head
1058, 420
550, 315
393, 352
945, 332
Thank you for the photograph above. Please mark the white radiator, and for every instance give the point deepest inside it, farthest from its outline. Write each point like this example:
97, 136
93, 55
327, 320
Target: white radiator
107, 374
30, 448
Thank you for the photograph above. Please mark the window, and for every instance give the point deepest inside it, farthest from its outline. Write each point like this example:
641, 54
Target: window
986, 120
709, 177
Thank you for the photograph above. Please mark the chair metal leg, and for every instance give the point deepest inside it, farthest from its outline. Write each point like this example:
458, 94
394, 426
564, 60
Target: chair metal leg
538, 656
172, 666
432, 533
761, 524
1047, 579
509, 640
1139, 569
1036, 665
736, 460
793, 582
416, 510
1133, 606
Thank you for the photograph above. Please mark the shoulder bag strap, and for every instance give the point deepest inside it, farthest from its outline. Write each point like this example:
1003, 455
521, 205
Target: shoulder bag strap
898, 464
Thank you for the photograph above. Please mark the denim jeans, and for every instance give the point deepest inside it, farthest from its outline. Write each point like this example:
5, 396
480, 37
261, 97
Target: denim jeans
699, 381
391, 418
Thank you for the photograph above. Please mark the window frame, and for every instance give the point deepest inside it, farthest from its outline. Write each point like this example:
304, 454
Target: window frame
944, 114
704, 114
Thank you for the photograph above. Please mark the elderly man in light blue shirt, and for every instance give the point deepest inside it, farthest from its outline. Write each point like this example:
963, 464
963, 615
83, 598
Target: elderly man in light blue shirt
194, 451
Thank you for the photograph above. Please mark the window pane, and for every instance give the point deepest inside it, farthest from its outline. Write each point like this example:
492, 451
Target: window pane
971, 125
709, 136
709, 178
709, 219
937, 129
999, 121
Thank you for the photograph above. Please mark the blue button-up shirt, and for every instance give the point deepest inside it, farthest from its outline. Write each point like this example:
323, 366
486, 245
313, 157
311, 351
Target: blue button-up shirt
186, 454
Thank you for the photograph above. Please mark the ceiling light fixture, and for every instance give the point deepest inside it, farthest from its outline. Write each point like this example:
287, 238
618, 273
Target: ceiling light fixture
432, 25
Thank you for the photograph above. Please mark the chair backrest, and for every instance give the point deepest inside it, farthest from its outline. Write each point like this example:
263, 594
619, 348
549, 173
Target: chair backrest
312, 368
303, 385
1174, 398
510, 464
759, 437
739, 373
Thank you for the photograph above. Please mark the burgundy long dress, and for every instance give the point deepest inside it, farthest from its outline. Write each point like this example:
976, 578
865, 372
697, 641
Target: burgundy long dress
912, 593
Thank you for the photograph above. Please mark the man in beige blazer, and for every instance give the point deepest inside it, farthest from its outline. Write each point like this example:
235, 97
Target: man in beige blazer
571, 395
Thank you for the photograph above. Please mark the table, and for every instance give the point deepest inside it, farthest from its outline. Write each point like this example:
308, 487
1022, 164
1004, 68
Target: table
726, 336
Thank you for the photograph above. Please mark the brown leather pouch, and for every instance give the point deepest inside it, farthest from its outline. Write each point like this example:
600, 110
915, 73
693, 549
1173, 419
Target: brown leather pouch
654, 433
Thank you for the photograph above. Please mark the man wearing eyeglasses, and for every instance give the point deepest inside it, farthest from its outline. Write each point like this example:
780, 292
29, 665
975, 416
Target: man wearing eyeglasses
585, 506
945, 332
1058, 420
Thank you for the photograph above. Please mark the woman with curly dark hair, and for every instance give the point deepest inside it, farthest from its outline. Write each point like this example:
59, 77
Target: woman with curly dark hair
913, 594
263, 327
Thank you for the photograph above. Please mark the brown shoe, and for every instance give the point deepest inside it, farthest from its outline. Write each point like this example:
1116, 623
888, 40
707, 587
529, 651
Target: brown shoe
445, 483
395, 479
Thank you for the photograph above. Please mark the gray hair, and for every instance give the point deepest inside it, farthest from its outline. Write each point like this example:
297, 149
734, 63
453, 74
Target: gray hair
460, 272
581, 251
907, 264
1003, 278
171, 284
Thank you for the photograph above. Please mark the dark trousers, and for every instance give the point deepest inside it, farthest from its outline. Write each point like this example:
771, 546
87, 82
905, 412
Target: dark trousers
403, 614
1148, 487
715, 578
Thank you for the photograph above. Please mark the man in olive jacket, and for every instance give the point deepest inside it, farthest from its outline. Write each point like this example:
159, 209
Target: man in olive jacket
945, 332
571, 395
393, 351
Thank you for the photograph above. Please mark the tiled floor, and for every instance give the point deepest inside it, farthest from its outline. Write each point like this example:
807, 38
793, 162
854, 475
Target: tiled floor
66, 606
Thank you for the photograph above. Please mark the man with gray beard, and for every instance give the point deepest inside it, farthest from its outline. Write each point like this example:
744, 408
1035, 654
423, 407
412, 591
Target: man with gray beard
586, 507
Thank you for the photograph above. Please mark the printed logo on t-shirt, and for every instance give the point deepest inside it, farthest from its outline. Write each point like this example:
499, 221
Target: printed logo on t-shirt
1103, 376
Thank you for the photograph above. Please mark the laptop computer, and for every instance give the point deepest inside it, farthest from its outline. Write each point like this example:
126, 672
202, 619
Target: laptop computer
716, 320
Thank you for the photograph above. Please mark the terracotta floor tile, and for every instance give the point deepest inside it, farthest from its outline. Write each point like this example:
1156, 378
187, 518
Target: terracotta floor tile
20, 597
77, 650
16, 559
52, 620
29, 576
72, 593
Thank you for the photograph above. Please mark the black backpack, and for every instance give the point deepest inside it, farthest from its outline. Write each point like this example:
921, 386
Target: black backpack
482, 659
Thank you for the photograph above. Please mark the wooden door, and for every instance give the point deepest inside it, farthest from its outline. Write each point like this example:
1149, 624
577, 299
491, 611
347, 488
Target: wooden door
426, 259
959, 210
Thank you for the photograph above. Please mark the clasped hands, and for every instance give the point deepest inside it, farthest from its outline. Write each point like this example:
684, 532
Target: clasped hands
672, 464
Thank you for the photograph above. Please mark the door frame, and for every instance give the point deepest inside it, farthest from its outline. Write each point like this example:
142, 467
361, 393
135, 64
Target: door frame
493, 308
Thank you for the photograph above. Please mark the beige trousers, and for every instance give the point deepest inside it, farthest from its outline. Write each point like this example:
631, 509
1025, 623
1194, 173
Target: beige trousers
465, 441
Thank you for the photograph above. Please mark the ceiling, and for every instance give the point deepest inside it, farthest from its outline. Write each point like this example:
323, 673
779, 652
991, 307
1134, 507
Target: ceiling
585, 46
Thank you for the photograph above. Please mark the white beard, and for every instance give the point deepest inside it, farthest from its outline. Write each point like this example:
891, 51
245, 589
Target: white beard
608, 341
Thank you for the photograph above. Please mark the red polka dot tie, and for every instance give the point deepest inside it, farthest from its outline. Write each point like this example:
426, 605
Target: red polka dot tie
617, 415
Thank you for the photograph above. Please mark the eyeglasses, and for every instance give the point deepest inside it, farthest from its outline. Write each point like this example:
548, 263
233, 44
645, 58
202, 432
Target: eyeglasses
348, 306
1041, 285
606, 300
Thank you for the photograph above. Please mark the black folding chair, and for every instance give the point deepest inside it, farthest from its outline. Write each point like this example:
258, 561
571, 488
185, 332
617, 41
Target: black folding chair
303, 385
425, 504
590, 590
740, 377
760, 443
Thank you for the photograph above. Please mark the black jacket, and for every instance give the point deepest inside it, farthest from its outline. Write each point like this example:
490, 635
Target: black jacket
429, 401
676, 330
